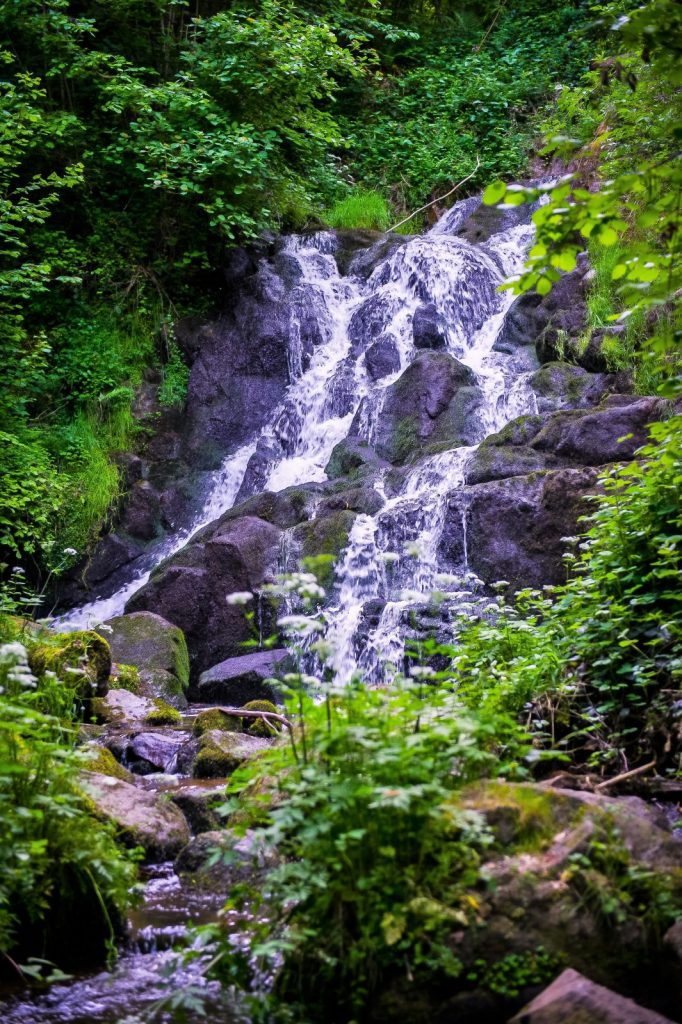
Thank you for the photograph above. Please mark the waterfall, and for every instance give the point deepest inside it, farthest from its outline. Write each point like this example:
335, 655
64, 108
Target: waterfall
391, 563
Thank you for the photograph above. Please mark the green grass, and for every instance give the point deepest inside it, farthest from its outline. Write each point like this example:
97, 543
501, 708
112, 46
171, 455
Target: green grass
361, 209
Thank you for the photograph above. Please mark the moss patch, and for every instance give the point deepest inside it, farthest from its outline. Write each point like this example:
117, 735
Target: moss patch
101, 760
83, 650
126, 677
328, 537
162, 714
214, 718
260, 726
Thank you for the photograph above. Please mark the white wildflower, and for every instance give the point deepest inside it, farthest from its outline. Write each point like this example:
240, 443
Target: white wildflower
239, 597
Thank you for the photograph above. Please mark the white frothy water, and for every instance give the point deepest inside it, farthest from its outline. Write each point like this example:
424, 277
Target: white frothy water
391, 562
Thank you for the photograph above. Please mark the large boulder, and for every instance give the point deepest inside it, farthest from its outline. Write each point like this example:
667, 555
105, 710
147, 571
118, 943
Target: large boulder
237, 681
191, 588
220, 752
144, 819
609, 434
428, 327
574, 999
514, 527
157, 648
434, 403
564, 386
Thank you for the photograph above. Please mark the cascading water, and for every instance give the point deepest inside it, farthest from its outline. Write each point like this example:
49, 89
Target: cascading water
391, 561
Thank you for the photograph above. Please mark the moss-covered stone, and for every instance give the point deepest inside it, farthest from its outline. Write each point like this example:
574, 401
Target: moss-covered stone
215, 719
220, 753
83, 652
101, 760
151, 644
162, 714
260, 726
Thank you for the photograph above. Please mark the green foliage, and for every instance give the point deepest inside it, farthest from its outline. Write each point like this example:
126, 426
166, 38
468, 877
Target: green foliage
510, 975
173, 390
53, 853
360, 209
375, 861
638, 202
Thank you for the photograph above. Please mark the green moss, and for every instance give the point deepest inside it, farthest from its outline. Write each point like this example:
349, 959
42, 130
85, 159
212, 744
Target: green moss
162, 714
127, 677
214, 718
84, 650
405, 439
259, 726
101, 760
325, 537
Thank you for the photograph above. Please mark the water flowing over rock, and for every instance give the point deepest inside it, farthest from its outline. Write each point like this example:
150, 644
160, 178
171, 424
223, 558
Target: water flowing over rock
377, 399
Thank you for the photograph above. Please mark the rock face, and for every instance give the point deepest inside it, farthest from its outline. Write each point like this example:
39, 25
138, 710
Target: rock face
236, 681
574, 999
157, 648
191, 589
434, 402
514, 526
144, 818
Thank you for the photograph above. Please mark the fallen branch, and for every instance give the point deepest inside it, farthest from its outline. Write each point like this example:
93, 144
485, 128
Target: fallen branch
626, 775
440, 198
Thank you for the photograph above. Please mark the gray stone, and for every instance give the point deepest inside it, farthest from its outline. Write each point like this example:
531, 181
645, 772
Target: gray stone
220, 753
428, 328
144, 818
382, 358
574, 999
236, 681
157, 648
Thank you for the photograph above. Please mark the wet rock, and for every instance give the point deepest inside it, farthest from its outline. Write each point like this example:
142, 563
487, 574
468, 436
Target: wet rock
144, 819
369, 321
350, 456
382, 358
150, 752
428, 328
236, 681
324, 538
215, 718
358, 253
121, 706
434, 402
157, 648
562, 386
282, 508
611, 434
574, 999
220, 753
142, 514
111, 553
198, 802
514, 526
354, 499
241, 859
268, 450
596, 355
191, 588
240, 367
494, 462
486, 221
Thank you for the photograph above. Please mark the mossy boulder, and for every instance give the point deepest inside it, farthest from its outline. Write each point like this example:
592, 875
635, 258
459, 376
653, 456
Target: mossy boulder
121, 706
99, 759
157, 649
198, 800
143, 818
260, 726
213, 719
220, 753
81, 658
162, 714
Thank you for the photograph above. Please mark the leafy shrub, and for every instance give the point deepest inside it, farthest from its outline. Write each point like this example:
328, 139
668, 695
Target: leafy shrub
56, 859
